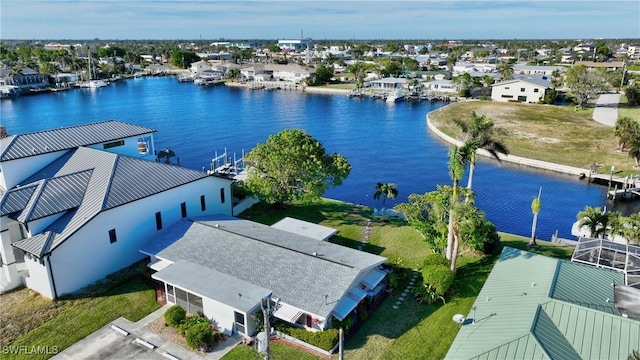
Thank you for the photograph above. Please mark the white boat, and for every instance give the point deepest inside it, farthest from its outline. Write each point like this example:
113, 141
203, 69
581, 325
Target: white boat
185, 78
207, 81
94, 84
395, 97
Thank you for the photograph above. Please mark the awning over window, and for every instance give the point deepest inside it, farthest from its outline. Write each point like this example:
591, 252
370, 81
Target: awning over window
357, 294
344, 307
373, 279
288, 313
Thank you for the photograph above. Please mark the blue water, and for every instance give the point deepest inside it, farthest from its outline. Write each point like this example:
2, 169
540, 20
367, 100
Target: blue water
383, 142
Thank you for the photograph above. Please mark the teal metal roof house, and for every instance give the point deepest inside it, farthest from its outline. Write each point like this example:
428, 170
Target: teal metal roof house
537, 307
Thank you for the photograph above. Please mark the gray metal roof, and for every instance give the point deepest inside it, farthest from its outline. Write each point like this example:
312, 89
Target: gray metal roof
213, 284
56, 195
43, 142
16, 199
101, 180
268, 257
537, 80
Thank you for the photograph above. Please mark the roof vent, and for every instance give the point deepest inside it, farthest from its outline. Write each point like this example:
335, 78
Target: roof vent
314, 253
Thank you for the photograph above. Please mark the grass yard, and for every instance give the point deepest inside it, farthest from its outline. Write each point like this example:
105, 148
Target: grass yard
625, 110
413, 330
567, 136
278, 352
28, 319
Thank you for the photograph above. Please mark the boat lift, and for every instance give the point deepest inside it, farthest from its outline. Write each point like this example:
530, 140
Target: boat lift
226, 165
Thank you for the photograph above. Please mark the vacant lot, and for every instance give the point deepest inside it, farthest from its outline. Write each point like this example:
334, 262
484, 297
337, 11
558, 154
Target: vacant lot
555, 134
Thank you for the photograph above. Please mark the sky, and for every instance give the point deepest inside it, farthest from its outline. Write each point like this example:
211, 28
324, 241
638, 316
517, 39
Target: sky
327, 19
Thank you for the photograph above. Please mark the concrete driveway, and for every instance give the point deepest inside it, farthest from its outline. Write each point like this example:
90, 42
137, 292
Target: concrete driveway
122, 340
606, 110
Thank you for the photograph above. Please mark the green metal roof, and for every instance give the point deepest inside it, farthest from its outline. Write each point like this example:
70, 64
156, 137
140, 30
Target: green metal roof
536, 307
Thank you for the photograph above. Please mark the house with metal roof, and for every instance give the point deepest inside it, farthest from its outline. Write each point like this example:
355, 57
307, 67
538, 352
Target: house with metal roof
77, 203
537, 307
224, 267
528, 89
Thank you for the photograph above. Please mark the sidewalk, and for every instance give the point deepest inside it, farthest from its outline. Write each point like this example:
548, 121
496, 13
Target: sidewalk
606, 110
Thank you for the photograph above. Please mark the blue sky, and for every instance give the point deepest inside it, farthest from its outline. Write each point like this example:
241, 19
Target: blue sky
327, 19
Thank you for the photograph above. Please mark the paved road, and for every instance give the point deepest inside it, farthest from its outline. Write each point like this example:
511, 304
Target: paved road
606, 110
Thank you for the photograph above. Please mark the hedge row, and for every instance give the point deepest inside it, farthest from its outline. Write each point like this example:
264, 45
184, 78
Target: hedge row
325, 340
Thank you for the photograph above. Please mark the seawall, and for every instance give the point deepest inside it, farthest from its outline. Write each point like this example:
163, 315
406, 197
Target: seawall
509, 158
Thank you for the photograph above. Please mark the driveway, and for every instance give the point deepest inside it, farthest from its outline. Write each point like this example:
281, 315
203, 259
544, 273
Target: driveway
124, 340
606, 110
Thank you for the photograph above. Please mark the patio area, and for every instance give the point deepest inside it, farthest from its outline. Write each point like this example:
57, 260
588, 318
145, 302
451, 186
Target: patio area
610, 255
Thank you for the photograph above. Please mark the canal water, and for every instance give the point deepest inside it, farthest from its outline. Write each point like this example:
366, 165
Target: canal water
384, 142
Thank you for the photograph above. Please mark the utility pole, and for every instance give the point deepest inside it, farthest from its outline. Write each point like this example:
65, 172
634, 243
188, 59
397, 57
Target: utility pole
265, 313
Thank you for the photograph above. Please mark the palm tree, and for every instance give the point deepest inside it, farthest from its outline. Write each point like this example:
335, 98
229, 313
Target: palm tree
626, 129
480, 133
506, 70
631, 228
388, 190
458, 159
634, 150
535, 209
595, 219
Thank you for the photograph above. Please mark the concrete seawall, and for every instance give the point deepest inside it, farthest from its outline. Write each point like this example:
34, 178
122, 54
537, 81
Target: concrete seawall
510, 158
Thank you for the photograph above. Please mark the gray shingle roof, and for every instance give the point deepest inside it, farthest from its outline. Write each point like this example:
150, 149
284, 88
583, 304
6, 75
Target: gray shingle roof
536, 80
42, 142
268, 257
101, 180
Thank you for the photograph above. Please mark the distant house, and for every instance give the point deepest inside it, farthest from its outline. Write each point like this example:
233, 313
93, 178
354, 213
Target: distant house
276, 72
442, 86
634, 51
613, 65
25, 78
226, 268
537, 307
528, 89
537, 70
296, 44
389, 83
77, 203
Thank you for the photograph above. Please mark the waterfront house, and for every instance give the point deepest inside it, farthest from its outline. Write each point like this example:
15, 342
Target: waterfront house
77, 203
537, 307
389, 84
276, 72
225, 267
442, 87
528, 89
24, 79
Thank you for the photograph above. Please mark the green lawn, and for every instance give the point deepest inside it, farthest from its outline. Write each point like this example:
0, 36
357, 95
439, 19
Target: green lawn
568, 137
625, 110
413, 330
61, 323
277, 352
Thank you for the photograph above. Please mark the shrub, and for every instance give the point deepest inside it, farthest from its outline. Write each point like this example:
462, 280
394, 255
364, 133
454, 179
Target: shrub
190, 321
633, 94
484, 238
325, 340
174, 316
345, 323
434, 259
425, 294
438, 277
199, 335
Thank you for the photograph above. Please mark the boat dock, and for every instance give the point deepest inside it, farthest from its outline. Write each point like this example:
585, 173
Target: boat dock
378, 94
227, 165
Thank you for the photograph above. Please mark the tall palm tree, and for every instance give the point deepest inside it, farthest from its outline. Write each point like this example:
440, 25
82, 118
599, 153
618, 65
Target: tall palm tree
506, 70
634, 150
595, 219
387, 191
480, 133
535, 209
631, 229
458, 159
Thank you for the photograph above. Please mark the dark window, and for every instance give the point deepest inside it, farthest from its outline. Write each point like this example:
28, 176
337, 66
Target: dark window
112, 236
507, 96
535, 90
171, 296
203, 204
181, 299
506, 88
159, 220
183, 209
239, 322
522, 89
522, 98
113, 144
222, 195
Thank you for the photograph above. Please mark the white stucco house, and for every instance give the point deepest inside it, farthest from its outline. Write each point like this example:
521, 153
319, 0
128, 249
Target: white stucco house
442, 86
225, 267
77, 203
276, 72
528, 89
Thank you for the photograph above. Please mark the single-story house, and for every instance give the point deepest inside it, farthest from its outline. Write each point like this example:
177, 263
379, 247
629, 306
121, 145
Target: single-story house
442, 86
276, 72
529, 89
537, 307
78, 203
389, 83
225, 267
537, 70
